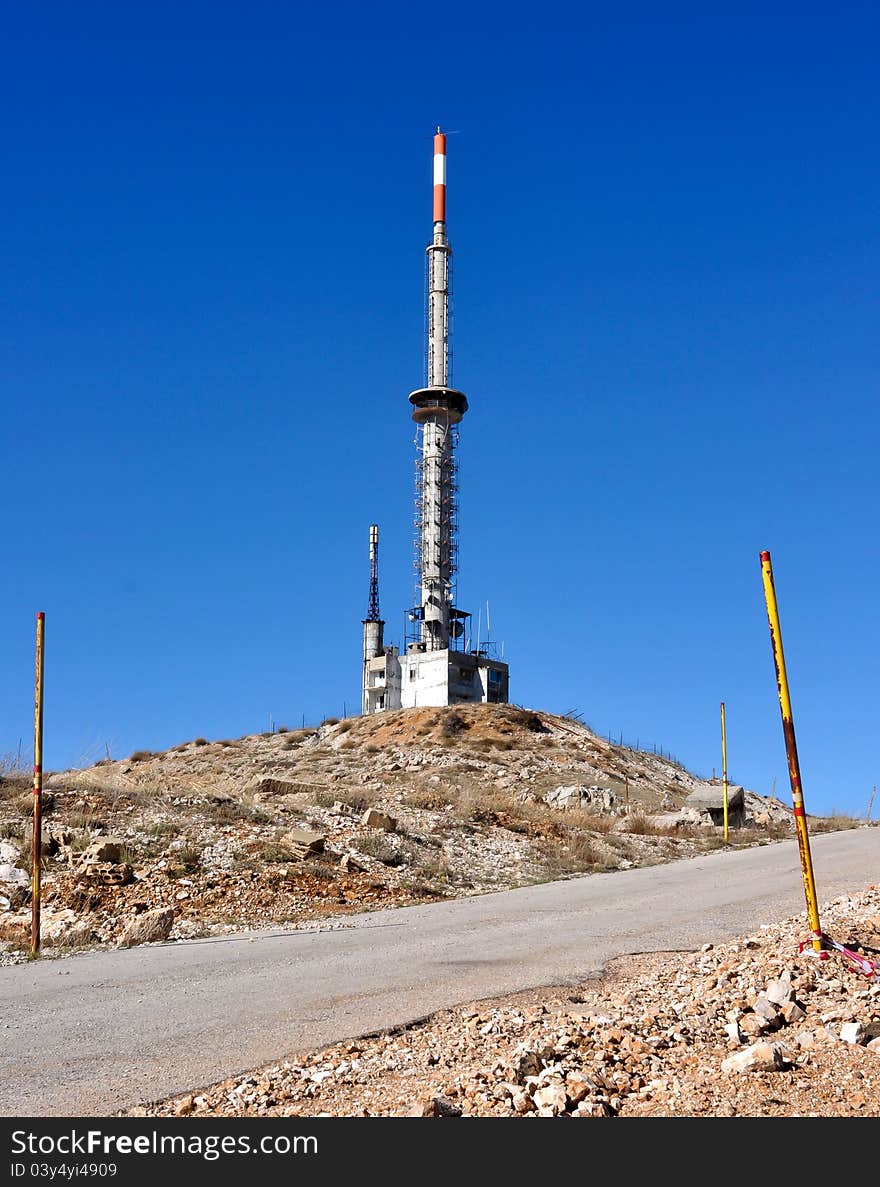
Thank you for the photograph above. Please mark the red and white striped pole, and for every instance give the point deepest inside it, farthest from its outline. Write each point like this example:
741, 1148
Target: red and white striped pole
439, 177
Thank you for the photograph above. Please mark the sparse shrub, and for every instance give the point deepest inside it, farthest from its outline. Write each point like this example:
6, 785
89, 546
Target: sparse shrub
275, 851
529, 721
186, 860
643, 826
227, 742
163, 828
382, 849
86, 818
228, 811
11, 831
330, 721
452, 724
141, 755
201, 742
371, 748
575, 853
435, 865
282, 729
345, 725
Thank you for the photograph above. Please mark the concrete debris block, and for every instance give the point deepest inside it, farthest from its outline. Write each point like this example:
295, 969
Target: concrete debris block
108, 873
12, 875
760, 1057
350, 863
710, 798
342, 809
8, 853
793, 1012
107, 849
148, 928
373, 818
550, 1097
852, 1032
780, 991
302, 843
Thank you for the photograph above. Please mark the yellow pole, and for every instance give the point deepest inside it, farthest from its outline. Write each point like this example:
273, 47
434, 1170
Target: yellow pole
38, 786
724, 765
794, 770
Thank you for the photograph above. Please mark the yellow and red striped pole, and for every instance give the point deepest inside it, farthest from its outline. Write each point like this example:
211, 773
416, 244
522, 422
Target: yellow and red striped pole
794, 770
439, 177
38, 785
724, 765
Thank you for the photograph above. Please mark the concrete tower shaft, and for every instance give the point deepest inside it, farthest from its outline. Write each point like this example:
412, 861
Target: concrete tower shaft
437, 409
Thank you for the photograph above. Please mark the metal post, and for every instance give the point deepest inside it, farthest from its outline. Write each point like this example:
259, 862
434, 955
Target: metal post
871, 803
38, 786
724, 765
794, 770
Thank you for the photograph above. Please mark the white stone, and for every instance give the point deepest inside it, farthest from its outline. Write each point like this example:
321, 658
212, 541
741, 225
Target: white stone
760, 1057
852, 1032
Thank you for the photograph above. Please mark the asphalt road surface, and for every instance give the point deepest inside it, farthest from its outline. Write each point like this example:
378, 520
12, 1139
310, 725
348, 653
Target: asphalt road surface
90, 1034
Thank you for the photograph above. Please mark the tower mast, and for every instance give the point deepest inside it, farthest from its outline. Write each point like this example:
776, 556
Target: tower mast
437, 410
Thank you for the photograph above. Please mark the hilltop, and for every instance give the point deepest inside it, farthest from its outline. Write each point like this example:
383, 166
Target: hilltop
303, 827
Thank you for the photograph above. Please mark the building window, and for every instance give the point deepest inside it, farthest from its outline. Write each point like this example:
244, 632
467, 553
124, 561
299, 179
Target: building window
494, 676
412, 673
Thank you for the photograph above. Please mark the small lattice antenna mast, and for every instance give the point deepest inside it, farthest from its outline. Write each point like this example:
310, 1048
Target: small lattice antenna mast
373, 607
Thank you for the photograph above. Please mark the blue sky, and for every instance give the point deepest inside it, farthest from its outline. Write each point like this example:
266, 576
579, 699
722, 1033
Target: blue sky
666, 264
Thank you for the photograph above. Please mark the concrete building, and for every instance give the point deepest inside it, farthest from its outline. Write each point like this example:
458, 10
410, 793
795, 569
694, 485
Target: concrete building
438, 665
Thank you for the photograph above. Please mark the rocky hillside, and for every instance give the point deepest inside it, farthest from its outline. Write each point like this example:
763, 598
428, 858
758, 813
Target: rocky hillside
300, 827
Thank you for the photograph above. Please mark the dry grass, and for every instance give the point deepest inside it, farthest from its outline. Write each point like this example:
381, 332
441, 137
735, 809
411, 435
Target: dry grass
185, 860
575, 853
833, 823
85, 818
642, 826
381, 848
430, 799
